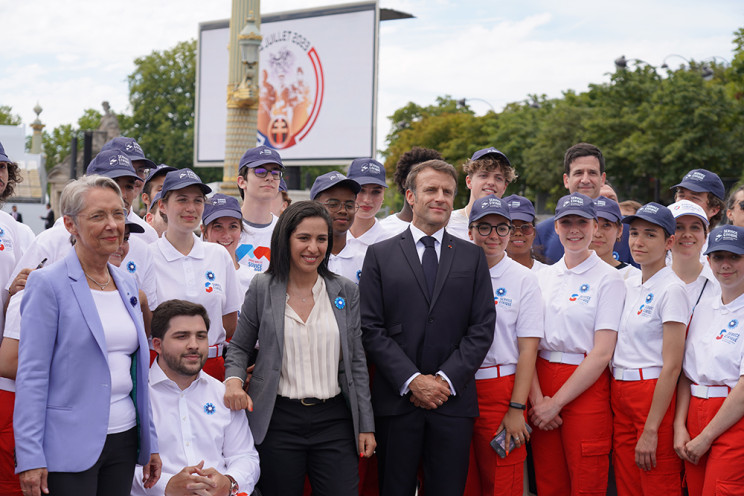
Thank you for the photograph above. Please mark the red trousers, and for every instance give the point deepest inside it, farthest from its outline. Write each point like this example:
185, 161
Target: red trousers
488, 473
574, 458
9, 484
631, 402
720, 471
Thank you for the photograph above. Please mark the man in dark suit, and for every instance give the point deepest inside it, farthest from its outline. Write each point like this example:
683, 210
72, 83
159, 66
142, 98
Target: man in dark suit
427, 323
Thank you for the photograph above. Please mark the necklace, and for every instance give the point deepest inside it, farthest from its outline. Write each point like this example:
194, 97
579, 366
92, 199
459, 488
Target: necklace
303, 299
102, 286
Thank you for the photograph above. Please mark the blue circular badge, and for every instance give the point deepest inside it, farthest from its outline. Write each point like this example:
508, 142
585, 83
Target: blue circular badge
584, 288
501, 292
209, 409
131, 266
649, 298
733, 323
340, 303
210, 275
133, 301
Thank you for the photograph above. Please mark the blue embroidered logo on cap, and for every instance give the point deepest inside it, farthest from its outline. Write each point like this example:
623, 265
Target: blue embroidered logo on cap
340, 303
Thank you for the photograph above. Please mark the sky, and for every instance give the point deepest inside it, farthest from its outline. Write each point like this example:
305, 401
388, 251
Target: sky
70, 56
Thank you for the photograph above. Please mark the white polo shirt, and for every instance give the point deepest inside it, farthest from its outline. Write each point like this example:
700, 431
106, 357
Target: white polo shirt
519, 310
15, 238
348, 262
254, 248
206, 276
538, 266
458, 224
579, 302
628, 271
648, 306
139, 264
52, 244
714, 351
394, 225
12, 331
150, 235
374, 234
195, 425
706, 283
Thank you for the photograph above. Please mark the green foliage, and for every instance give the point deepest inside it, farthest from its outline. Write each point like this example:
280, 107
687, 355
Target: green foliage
652, 126
56, 144
161, 93
7, 117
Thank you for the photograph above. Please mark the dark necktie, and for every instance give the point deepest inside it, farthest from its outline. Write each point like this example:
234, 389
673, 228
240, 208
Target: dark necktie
429, 263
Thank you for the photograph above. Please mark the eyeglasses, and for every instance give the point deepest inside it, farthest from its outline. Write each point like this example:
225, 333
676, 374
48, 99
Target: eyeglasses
526, 229
502, 230
335, 205
101, 216
262, 173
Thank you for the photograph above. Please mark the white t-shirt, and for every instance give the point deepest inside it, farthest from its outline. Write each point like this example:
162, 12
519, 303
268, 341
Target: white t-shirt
245, 276
458, 224
394, 225
206, 276
648, 306
195, 425
121, 342
579, 302
714, 351
519, 310
348, 262
150, 235
254, 249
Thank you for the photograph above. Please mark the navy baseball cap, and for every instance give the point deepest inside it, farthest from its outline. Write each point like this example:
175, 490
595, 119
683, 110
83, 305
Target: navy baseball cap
655, 214
112, 163
130, 148
282, 184
726, 238
701, 181
490, 151
261, 155
3, 156
182, 178
220, 205
520, 208
134, 227
367, 171
489, 205
158, 171
155, 200
330, 180
576, 204
608, 209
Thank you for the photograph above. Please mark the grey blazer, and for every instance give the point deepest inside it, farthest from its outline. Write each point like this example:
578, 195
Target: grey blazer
262, 319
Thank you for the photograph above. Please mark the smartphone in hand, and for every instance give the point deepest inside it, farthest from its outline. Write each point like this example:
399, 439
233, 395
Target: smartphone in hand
497, 443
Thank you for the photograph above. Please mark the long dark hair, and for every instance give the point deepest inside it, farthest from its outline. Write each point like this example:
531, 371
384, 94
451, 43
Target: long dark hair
286, 226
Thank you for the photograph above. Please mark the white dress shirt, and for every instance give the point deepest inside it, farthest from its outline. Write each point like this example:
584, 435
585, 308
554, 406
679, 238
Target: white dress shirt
194, 425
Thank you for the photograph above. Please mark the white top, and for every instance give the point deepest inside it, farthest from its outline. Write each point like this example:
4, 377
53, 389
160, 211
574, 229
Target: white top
12, 331
206, 276
15, 238
194, 425
52, 244
394, 225
458, 224
579, 302
714, 352
628, 271
150, 235
348, 262
519, 310
378, 232
139, 264
245, 276
648, 306
121, 342
712, 287
418, 234
312, 350
538, 266
254, 248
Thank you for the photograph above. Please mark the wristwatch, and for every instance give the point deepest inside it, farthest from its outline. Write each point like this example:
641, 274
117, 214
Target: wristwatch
234, 488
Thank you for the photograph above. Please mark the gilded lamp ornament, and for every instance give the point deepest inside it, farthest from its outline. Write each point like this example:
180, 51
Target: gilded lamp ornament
245, 94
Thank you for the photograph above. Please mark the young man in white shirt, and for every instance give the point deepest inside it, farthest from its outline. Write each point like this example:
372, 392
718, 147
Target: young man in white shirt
205, 446
259, 175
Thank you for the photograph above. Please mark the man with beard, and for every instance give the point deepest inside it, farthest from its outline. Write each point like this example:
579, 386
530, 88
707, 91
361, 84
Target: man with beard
205, 446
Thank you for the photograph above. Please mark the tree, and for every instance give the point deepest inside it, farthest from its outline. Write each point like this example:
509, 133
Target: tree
161, 93
7, 117
56, 144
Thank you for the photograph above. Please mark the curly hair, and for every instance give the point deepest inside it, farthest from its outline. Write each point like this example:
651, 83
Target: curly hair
14, 177
415, 156
490, 163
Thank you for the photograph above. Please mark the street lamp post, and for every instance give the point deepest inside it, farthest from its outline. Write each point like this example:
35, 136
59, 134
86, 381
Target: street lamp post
242, 88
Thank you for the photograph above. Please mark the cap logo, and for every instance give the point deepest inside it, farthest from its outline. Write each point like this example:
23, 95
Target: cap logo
134, 146
573, 201
601, 203
119, 160
491, 202
514, 204
219, 201
649, 209
695, 176
189, 174
265, 151
727, 235
334, 177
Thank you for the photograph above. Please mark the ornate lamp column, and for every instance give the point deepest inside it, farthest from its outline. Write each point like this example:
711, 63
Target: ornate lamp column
242, 88
37, 126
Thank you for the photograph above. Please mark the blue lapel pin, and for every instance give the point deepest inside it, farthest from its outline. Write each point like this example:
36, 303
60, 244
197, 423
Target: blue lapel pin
340, 303
133, 301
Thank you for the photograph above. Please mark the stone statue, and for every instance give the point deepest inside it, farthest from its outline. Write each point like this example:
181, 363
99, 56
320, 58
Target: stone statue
109, 123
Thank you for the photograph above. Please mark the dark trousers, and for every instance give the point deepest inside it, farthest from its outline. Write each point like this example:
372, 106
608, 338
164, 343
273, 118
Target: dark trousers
317, 441
440, 442
111, 475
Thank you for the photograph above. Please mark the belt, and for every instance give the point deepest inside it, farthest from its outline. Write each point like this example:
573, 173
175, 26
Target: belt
308, 401
495, 371
621, 374
216, 350
706, 392
561, 357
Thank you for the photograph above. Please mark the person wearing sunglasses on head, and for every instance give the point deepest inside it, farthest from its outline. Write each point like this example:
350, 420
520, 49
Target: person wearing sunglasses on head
338, 194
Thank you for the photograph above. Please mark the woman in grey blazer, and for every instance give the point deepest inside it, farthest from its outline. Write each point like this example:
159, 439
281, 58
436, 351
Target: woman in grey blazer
309, 406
